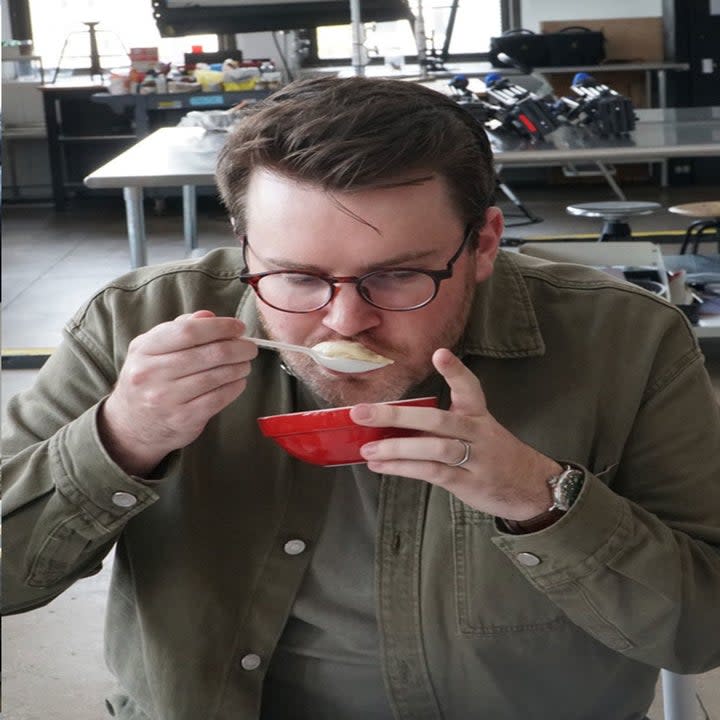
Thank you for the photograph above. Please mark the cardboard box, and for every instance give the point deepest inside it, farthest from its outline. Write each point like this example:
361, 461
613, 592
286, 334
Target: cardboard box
626, 39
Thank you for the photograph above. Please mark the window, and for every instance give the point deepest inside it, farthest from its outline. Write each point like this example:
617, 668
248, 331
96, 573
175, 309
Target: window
122, 24
475, 23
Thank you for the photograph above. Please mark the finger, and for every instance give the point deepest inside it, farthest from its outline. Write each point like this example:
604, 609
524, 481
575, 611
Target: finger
428, 420
187, 332
193, 360
167, 393
211, 403
188, 388
431, 472
445, 450
466, 393
154, 389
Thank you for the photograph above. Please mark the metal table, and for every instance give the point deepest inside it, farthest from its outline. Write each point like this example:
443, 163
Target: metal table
169, 157
659, 134
481, 69
185, 157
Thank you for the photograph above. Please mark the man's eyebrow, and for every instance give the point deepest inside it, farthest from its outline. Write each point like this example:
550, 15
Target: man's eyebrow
392, 262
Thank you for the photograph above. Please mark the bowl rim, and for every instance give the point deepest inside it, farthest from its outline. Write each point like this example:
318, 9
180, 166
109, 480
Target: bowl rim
328, 418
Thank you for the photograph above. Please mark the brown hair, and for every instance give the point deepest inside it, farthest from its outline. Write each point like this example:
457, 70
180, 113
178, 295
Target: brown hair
358, 133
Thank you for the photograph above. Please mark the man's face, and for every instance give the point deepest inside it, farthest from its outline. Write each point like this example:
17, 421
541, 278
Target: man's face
302, 227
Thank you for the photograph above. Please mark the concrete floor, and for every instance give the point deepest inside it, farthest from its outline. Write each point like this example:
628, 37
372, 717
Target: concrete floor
53, 660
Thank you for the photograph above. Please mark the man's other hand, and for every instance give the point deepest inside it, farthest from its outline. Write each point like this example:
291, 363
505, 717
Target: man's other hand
175, 378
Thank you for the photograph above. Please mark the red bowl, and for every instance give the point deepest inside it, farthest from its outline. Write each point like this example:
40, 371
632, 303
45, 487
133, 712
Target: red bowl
329, 437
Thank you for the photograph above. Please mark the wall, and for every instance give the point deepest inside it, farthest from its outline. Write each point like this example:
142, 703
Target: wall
532, 12
6, 31
260, 45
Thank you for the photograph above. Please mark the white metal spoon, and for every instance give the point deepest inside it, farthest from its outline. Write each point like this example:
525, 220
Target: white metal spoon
339, 364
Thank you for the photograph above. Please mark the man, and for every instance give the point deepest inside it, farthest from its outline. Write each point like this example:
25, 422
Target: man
549, 541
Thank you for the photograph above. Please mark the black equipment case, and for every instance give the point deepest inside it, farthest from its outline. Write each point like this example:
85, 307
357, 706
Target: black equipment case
573, 45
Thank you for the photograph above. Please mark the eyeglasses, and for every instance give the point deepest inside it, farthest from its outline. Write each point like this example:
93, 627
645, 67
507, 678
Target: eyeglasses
398, 289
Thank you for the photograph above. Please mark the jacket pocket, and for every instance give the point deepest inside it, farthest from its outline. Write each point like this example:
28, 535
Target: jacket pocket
491, 595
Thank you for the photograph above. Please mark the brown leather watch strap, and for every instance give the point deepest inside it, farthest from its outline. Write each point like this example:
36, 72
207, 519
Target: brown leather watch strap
533, 524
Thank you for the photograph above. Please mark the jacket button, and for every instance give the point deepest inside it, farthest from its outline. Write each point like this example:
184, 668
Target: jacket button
294, 547
124, 499
250, 662
528, 559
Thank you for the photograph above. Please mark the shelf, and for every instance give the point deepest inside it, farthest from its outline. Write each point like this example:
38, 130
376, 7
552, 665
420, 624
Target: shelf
154, 105
88, 127
36, 132
177, 101
95, 138
31, 63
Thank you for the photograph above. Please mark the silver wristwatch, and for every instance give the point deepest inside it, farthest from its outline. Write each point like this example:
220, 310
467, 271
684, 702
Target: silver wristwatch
565, 488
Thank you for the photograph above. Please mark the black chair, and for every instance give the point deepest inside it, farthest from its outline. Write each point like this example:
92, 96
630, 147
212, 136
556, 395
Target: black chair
706, 226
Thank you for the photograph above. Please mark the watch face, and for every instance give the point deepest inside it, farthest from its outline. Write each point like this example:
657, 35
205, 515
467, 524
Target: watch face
568, 488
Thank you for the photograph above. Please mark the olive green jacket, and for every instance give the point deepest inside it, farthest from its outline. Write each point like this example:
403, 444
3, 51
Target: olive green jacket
571, 622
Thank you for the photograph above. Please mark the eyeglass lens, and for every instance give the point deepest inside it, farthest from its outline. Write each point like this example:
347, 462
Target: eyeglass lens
390, 290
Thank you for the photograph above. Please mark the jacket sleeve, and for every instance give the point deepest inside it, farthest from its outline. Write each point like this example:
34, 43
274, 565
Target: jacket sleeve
65, 501
636, 560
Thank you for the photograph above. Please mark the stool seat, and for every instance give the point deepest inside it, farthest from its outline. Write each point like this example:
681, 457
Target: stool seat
708, 209
707, 226
613, 209
615, 214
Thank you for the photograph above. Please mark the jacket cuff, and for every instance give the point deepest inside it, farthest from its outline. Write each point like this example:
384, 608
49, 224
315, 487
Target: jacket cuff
577, 544
88, 477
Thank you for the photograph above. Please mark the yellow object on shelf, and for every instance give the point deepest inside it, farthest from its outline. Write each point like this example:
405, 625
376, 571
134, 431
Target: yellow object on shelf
215, 80
210, 80
248, 84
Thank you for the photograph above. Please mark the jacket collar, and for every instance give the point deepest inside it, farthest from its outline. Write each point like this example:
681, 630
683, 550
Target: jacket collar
502, 321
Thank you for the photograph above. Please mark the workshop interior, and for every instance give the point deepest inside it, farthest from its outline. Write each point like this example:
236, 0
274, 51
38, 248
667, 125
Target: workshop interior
604, 122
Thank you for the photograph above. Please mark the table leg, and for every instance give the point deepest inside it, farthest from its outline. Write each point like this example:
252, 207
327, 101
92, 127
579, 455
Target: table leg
662, 88
679, 696
55, 150
12, 157
648, 89
135, 218
662, 102
190, 218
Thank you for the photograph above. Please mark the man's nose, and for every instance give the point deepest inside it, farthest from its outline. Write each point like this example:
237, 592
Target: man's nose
348, 314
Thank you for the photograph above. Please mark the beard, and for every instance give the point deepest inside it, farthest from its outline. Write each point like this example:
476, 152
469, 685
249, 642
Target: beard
412, 360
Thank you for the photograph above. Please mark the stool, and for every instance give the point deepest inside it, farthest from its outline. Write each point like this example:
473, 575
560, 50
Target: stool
615, 214
709, 214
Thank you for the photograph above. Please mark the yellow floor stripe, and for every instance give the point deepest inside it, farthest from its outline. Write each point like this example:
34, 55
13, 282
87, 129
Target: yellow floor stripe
15, 352
593, 236
25, 358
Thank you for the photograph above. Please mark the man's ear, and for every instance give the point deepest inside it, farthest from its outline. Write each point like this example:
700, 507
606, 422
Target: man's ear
488, 243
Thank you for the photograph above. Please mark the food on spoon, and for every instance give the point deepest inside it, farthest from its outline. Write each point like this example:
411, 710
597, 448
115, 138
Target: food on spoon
350, 350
